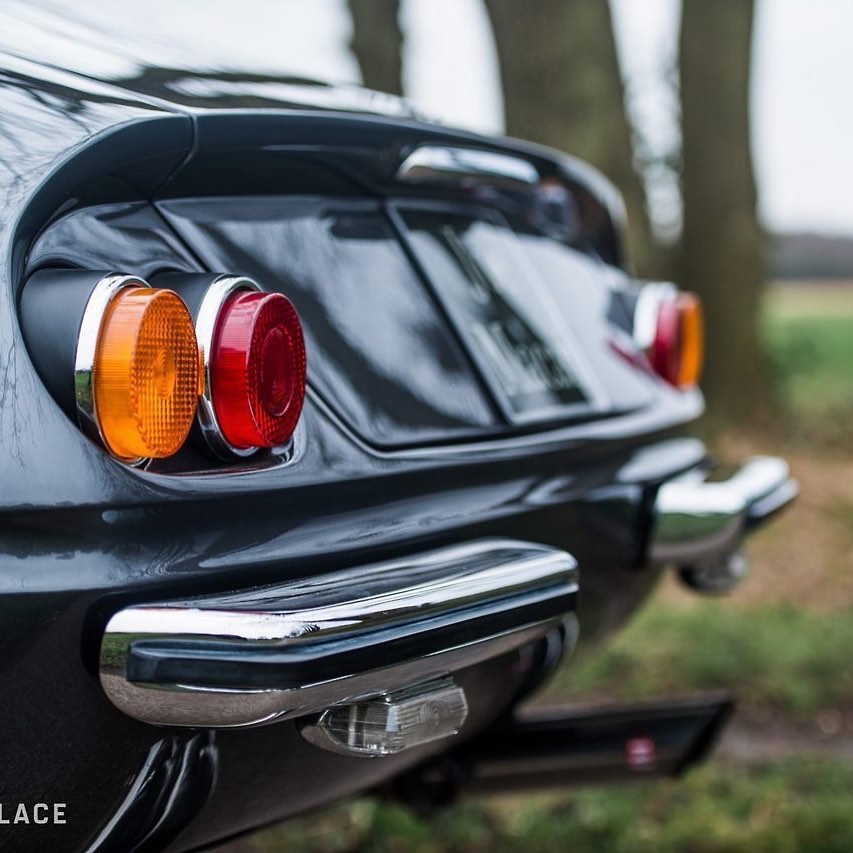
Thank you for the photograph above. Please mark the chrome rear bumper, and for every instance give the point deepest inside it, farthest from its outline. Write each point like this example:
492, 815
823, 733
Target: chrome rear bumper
297, 648
699, 526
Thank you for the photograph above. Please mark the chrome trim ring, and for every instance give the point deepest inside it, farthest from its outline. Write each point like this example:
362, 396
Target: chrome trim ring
103, 293
205, 327
652, 295
284, 651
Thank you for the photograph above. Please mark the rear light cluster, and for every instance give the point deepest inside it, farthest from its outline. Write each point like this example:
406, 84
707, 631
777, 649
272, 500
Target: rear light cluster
668, 327
150, 361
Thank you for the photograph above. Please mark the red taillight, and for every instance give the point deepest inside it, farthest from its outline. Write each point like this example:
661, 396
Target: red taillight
257, 369
668, 328
664, 352
678, 347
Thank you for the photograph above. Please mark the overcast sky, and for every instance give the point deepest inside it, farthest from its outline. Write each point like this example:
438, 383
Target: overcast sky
802, 105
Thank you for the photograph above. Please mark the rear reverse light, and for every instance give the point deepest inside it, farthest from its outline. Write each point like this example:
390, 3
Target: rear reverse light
254, 360
669, 327
137, 368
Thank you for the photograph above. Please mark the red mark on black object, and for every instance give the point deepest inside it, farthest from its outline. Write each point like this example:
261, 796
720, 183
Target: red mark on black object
640, 753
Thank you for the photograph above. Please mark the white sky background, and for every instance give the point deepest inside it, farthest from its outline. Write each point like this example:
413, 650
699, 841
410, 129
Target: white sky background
803, 71
803, 113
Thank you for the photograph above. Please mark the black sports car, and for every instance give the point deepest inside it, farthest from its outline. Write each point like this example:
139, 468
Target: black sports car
327, 433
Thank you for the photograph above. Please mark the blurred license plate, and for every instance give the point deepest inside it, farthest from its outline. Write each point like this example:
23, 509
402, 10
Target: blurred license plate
499, 311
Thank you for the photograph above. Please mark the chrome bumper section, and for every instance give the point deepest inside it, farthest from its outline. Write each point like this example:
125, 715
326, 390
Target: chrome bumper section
289, 650
698, 526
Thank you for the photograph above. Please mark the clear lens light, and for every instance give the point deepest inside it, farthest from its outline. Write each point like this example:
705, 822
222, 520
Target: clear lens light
393, 722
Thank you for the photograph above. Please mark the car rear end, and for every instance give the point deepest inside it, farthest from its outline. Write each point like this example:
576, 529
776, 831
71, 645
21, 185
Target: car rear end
475, 466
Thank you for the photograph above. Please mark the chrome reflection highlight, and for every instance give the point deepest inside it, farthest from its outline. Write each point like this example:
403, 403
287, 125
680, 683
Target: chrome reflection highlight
445, 163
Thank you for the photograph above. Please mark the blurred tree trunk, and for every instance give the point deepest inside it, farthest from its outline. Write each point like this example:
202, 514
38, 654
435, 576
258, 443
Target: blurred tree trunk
377, 43
562, 87
722, 242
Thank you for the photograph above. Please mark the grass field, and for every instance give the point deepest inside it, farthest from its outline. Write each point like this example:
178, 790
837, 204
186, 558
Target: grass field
779, 659
782, 643
799, 804
809, 338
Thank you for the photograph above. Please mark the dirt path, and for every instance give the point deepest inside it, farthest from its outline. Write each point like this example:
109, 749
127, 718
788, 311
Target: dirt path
749, 741
806, 557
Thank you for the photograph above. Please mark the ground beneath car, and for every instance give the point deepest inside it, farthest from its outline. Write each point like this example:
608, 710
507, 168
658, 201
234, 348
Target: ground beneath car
751, 741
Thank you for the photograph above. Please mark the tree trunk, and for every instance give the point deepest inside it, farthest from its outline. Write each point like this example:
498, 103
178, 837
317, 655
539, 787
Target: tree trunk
562, 88
377, 43
722, 243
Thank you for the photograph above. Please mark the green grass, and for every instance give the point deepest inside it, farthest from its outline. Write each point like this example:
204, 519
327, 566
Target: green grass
808, 333
794, 805
791, 660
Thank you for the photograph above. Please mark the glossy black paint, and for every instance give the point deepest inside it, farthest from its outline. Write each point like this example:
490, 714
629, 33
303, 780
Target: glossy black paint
172, 787
82, 535
51, 310
377, 346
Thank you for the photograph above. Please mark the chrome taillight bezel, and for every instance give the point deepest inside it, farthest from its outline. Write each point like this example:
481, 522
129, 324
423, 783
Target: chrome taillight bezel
211, 306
